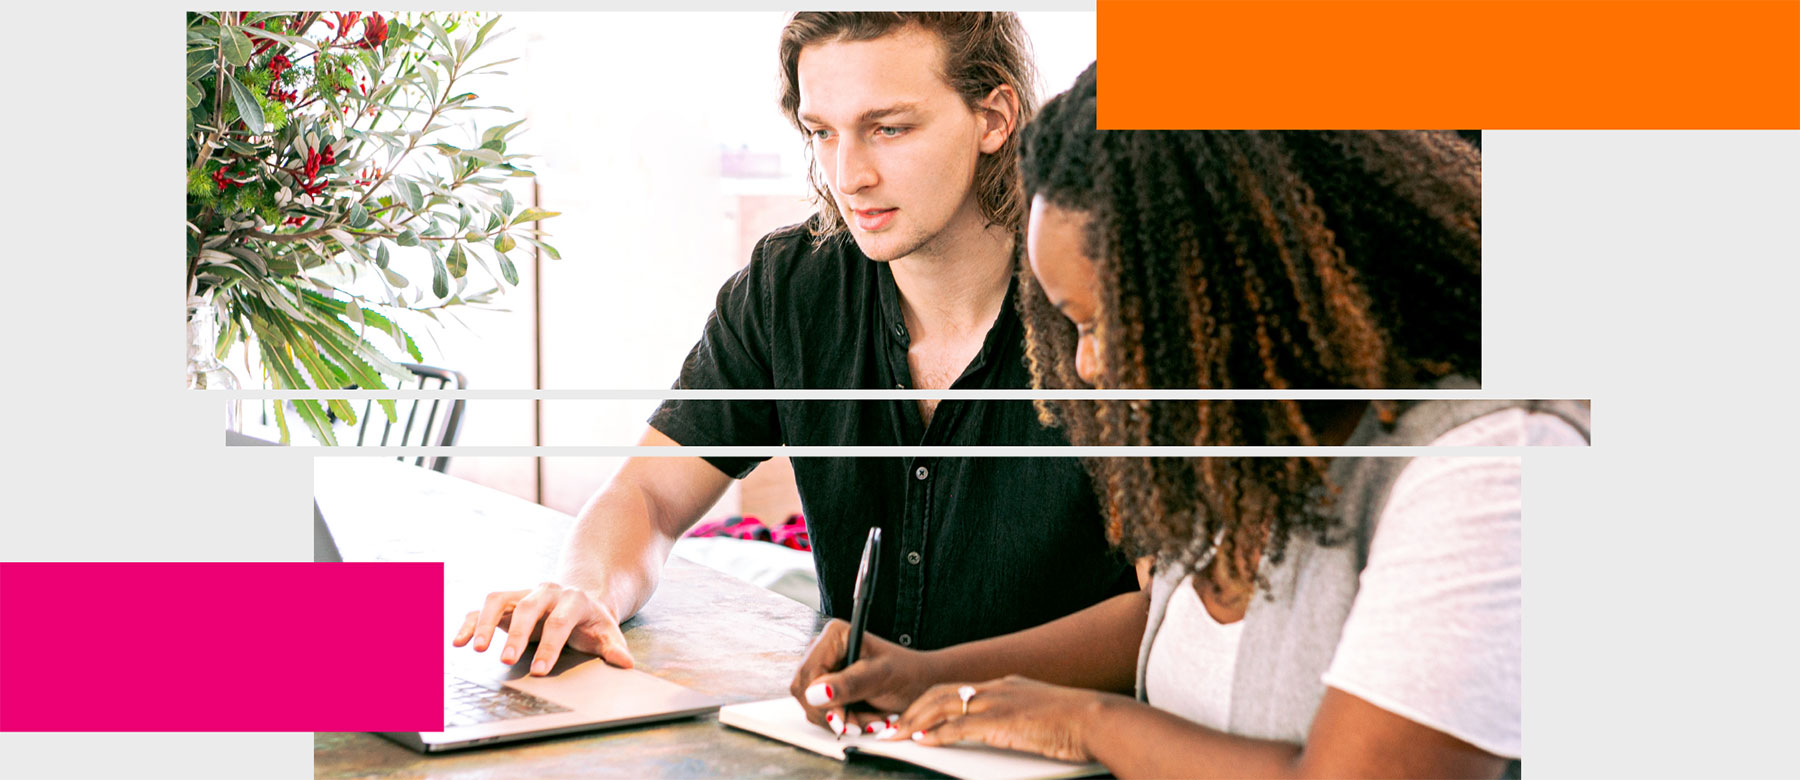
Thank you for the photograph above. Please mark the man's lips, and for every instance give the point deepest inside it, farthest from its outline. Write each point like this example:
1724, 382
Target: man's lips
873, 219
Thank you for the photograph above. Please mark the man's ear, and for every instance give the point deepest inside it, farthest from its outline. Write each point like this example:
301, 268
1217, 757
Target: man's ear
999, 113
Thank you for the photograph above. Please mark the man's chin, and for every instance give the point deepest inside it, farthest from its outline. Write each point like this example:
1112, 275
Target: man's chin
884, 247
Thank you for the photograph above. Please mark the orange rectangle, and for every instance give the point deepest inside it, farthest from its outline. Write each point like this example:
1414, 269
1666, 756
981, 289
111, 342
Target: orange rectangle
1488, 64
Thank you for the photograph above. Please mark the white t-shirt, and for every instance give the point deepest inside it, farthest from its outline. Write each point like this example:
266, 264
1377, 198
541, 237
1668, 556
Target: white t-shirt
1433, 635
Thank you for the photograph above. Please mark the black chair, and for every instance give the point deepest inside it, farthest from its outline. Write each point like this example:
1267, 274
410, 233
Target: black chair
434, 432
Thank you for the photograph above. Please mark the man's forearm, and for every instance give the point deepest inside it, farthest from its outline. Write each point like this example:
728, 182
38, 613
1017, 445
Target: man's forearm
1095, 648
616, 548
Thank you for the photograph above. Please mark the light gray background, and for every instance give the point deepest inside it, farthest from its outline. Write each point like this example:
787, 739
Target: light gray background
1652, 272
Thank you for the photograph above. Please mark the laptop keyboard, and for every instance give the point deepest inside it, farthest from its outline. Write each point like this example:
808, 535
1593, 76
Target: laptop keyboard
468, 702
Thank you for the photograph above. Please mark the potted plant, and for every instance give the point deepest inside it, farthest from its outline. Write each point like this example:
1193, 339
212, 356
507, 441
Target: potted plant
318, 161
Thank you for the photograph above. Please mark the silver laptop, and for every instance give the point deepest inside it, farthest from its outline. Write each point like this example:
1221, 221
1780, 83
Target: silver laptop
486, 702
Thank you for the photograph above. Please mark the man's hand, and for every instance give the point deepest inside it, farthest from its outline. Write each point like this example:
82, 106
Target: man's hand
885, 679
553, 615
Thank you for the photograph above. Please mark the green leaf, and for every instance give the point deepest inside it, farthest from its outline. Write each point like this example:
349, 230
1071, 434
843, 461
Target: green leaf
436, 31
394, 278
202, 67
407, 238
504, 243
484, 155
409, 192
227, 336
458, 262
248, 109
281, 420
237, 48
381, 255
314, 416
282, 370
431, 84
508, 271
359, 217
506, 203
533, 215
498, 132
440, 277
194, 95
483, 34
339, 347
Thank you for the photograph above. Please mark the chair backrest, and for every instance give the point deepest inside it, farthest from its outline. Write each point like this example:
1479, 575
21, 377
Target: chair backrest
434, 431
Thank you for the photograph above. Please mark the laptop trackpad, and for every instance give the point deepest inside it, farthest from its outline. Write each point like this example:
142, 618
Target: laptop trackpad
587, 683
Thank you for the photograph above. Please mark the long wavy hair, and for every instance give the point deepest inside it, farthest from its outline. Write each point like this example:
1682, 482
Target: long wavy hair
1238, 260
982, 50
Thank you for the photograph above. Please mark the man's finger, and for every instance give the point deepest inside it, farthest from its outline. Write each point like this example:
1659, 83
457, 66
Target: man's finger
468, 629
525, 617
562, 618
612, 646
491, 609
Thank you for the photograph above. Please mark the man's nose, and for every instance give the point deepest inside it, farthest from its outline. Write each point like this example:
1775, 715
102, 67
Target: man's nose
855, 169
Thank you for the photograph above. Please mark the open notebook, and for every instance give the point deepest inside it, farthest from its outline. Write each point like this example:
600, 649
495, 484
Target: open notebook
783, 719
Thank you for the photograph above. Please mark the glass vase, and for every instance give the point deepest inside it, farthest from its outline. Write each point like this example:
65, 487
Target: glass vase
204, 370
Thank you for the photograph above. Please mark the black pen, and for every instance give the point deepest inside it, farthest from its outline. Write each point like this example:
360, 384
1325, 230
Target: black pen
865, 593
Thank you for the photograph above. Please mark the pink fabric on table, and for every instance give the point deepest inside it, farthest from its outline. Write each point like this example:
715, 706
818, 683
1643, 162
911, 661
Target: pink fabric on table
791, 533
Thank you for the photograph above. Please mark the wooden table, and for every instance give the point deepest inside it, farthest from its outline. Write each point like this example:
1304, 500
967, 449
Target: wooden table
703, 629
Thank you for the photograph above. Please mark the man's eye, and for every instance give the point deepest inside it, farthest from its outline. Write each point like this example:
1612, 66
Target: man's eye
820, 134
889, 132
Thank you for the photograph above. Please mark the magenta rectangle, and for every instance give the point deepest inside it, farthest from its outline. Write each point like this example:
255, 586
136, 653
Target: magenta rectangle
221, 646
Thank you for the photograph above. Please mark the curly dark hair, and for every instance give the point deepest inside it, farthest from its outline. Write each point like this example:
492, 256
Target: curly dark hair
1247, 259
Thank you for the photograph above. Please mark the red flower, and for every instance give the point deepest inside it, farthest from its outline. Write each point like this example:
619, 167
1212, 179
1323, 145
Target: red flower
375, 31
344, 22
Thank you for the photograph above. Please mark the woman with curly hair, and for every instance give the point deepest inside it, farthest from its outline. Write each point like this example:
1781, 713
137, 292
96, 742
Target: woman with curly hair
1302, 616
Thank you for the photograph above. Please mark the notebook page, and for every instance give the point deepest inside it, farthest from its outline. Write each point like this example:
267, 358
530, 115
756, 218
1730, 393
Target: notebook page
784, 719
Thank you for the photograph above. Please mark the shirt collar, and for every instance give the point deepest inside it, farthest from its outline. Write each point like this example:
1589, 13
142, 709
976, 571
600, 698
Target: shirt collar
1001, 333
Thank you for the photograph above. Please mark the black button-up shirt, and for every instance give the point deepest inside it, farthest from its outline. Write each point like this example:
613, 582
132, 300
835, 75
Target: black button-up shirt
972, 547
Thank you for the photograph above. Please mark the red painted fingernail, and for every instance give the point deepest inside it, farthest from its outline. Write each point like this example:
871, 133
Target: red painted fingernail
870, 729
830, 693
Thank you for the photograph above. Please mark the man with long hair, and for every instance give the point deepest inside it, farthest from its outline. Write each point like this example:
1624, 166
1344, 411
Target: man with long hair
903, 279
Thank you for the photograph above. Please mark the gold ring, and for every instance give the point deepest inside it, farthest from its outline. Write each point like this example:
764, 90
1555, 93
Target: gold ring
965, 693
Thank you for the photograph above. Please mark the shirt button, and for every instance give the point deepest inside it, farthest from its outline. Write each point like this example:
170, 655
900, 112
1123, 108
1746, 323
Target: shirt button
899, 330
912, 558
899, 386
922, 472
905, 640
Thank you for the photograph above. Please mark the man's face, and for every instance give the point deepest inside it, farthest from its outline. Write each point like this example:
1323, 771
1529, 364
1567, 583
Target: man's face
896, 144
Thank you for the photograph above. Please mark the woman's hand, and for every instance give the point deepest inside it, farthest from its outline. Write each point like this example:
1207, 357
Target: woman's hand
1014, 713
884, 679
